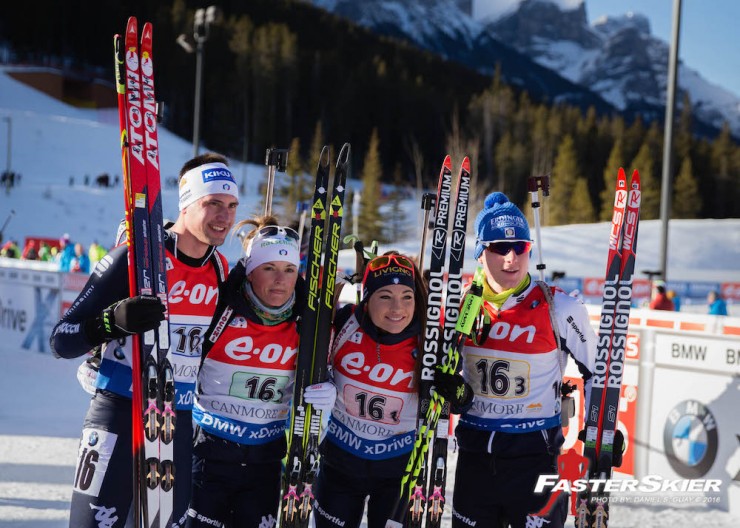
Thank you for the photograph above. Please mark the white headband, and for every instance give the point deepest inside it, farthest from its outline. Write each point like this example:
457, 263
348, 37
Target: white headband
274, 248
209, 178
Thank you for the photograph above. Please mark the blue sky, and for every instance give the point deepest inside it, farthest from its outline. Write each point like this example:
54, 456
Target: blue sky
708, 42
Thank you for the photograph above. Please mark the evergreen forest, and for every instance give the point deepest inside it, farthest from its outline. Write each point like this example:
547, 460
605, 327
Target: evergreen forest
282, 73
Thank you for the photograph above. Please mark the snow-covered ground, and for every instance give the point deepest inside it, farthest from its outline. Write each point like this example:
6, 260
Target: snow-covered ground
42, 415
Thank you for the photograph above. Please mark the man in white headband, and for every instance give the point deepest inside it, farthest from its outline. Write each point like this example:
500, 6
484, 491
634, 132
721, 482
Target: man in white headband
105, 317
208, 200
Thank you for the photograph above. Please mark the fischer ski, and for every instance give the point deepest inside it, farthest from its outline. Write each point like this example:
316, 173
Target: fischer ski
153, 420
303, 438
603, 404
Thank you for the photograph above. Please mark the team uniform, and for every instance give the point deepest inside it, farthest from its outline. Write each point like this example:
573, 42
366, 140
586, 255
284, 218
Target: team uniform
241, 411
104, 459
373, 423
512, 432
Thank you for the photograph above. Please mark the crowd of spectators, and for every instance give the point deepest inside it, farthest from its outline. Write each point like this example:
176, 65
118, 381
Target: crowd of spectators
69, 256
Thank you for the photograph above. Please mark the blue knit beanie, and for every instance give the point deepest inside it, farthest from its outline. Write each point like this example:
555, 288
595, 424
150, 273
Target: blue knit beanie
500, 220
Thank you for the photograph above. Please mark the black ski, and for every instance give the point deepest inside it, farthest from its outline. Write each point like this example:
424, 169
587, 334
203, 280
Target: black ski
324, 240
453, 298
413, 486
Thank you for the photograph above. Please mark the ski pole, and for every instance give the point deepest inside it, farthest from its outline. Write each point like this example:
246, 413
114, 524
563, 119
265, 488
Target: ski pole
2, 229
534, 183
427, 202
276, 160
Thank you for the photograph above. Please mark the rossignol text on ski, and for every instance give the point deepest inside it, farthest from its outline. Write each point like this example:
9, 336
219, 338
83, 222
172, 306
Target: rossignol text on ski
602, 407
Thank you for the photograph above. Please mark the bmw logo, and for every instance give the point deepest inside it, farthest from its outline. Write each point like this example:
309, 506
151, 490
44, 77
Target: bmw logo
283, 252
93, 438
690, 439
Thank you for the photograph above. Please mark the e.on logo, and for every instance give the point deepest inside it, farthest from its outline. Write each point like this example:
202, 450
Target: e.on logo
243, 349
196, 294
354, 363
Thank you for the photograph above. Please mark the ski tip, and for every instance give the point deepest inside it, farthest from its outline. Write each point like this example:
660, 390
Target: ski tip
344, 154
635, 177
447, 163
466, 164
146, 32
620, 174
131, 25
324, 157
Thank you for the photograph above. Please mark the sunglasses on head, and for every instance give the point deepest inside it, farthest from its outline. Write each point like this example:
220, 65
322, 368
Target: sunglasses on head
386, 260
503, 248
271, 231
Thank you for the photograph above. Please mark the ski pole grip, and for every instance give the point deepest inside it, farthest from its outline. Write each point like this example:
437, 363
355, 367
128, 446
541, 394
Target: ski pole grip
275, 159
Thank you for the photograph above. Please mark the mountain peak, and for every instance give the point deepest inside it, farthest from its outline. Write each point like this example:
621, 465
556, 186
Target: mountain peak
608, 25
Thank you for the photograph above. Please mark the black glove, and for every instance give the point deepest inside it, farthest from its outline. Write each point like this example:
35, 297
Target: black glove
617, 448
452, 388
134, 315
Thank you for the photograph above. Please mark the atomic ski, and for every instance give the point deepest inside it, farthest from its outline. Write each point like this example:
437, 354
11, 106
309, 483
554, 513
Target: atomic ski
152, 381
438, 465
413, 486
323, 251
603, 404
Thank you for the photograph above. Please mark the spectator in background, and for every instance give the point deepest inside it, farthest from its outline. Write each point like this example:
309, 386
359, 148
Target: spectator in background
30, 252
717, 305
66, 253
45, 252
660, 298
95, 253
80, 262
673, 296
10, 250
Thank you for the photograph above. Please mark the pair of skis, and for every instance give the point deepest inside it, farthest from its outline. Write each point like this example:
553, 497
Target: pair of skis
603, 404
302, 462
153, 388
439, 348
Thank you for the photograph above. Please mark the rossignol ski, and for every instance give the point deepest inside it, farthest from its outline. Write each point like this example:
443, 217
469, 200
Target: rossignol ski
438, 464
603, 404
413, 486
468, 312
153, 417
323, 250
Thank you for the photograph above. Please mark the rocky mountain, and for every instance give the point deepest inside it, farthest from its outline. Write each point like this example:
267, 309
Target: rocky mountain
553, 53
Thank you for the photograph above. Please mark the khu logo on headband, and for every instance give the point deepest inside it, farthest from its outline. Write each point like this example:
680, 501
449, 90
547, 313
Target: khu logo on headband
217, 174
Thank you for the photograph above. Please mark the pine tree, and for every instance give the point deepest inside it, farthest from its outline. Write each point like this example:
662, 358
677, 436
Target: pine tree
296, 190
580, 205
370, 221
645, 165
565, 174
686, 198
615, 161
396, 218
